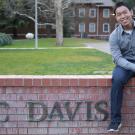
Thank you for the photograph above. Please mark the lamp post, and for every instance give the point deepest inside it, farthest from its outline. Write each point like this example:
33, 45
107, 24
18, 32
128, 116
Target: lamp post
36, 26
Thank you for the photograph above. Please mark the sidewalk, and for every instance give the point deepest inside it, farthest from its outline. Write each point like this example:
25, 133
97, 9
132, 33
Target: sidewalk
102, 46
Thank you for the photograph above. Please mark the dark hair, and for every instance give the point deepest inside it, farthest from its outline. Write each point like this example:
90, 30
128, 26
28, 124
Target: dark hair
119, 4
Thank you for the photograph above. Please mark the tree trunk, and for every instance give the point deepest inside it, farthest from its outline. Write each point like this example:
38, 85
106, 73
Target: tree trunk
59, 22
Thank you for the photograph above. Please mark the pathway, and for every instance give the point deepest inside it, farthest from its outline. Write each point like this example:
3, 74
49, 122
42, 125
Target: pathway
101, 46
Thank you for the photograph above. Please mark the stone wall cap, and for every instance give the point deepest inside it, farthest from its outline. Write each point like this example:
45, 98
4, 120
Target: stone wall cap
57, 76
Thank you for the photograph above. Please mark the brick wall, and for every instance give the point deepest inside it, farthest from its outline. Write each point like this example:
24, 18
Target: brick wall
101, 20
61, 105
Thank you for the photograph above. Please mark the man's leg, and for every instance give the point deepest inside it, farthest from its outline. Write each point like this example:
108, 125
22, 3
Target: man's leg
119, 79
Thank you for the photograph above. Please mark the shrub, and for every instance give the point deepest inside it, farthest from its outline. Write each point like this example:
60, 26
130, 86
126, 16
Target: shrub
5, 39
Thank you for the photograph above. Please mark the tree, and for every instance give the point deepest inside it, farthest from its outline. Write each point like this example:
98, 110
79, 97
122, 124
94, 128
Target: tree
59, 22
69, 21
8, 21
1, 11
50, 12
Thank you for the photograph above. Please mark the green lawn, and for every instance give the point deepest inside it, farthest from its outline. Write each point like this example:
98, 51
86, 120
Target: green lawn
64, 61
54, 60
49, 42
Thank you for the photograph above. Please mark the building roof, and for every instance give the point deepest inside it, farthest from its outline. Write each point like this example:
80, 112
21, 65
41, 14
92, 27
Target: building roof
104, 3
107, 3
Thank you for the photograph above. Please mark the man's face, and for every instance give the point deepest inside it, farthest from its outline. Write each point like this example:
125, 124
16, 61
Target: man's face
124, 16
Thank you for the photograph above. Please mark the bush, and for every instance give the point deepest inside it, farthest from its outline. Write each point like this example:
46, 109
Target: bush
5, 39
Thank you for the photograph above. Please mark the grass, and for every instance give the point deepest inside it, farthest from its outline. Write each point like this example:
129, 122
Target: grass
52, 61
49, 42
64, 61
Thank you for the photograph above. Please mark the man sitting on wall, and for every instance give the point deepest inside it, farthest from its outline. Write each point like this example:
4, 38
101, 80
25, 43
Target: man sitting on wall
122, 44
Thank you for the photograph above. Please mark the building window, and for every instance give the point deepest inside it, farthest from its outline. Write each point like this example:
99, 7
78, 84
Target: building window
106, 27
92, 27
81, 27
106, 13
81, 12
92, 12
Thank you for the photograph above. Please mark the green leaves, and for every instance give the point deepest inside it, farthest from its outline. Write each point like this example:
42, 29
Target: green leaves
5, 39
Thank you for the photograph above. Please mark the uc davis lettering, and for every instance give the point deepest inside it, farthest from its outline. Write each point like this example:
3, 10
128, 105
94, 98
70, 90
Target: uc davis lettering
39, 111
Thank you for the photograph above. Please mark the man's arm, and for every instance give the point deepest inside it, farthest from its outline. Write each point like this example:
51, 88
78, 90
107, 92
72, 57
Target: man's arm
117, 56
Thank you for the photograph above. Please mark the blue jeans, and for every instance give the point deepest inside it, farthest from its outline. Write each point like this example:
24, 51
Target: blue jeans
119, 78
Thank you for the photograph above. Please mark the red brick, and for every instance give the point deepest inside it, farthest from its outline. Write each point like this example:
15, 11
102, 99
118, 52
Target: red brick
58, 131
25, 124
22, 131
133, 80
102, 82
10, 124
64, 82
130, 82
52, 90
83, 82
67, 123
37, 82
28, 82
109, 82
56, 82
48, 124
18, 82
37, 131
2, 82
62, 89
46, 82
9, 82
93, 82
2, 90
73, 82
47, 97
67, 89
12, 110
12, 131
78, 130
27, 97
3, 131
8, 97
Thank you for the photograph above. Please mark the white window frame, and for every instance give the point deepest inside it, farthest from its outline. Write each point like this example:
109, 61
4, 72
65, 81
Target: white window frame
92, 27
104, 27
81, 31
81, 11
106, 10
90, 11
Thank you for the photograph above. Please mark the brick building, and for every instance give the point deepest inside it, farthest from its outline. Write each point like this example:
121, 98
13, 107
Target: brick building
94, 18
90, 19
